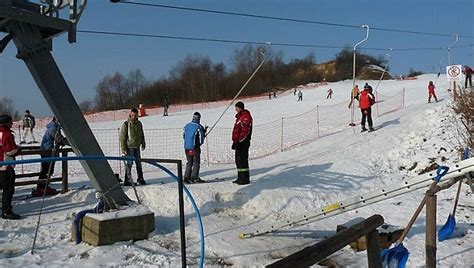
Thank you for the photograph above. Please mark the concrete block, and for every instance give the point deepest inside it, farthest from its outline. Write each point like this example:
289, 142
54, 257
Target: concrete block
122, 225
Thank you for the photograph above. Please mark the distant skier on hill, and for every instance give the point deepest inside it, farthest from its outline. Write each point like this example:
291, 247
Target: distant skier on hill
193, 135
431, 92
366, 100
166, 105
300, 96
329, 96
29, 124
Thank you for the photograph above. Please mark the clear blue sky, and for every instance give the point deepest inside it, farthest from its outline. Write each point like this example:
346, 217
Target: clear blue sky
93, 56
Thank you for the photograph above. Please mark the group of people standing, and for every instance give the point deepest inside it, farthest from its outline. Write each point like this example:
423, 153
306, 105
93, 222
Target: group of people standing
132, 139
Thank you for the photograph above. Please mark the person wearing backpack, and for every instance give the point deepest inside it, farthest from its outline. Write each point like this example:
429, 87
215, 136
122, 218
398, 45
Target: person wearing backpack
366, 100
132, 138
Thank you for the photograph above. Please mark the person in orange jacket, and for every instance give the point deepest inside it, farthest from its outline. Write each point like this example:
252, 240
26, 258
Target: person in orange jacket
366, 100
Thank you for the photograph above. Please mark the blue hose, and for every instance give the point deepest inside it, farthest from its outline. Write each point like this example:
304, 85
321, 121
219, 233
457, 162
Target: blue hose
99, 208
125, 158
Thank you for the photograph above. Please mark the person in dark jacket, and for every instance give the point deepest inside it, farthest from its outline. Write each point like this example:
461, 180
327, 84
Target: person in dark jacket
52, 140
8, 150
194, 134
241, 136
468, 73
29, 124
132, 138
166, 106
366, 99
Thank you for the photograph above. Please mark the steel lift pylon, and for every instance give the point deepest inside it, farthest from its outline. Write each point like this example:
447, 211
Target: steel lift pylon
32, 27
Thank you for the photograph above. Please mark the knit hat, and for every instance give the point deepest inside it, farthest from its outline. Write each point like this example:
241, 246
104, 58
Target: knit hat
196, 116
240, 105
27, 111
4, 119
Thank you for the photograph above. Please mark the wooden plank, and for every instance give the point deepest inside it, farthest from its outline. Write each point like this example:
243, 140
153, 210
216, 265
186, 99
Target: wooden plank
315, 253
430, 242
21, 183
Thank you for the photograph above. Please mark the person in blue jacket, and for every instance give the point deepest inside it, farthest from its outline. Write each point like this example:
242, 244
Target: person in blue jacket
193, 135
52, 140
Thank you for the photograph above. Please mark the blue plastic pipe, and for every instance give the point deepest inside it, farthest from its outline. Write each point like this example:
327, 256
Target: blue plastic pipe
124, 158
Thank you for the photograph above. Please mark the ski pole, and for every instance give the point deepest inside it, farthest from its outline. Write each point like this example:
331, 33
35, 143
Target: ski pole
262, 53
48, 177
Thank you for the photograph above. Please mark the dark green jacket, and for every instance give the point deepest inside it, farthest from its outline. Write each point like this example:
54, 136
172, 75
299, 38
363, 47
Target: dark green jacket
131, 135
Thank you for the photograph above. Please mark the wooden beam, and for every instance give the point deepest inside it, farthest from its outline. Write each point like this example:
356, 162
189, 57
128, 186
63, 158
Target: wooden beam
315, 253
430, 242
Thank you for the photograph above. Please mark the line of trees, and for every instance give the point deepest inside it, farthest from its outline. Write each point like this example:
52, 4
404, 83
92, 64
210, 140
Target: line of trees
7, 107
198, 79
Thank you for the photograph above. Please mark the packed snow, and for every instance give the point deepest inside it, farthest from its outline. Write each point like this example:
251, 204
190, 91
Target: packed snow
284, 186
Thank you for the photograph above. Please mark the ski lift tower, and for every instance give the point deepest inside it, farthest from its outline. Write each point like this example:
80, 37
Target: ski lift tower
32, 27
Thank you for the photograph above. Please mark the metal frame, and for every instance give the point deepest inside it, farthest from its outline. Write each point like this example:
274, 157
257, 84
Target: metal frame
32, 34
458, 170
182, 226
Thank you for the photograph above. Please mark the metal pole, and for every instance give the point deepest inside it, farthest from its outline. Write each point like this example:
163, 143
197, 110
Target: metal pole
181, 214
449, 48
384, 70
354, 69
281, 136
317, 117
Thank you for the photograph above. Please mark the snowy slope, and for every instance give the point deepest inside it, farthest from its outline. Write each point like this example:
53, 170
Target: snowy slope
285, 186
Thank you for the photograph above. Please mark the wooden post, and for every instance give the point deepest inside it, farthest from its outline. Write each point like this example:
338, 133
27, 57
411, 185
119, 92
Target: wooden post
430, 243
64, 170
454, 90
373, 249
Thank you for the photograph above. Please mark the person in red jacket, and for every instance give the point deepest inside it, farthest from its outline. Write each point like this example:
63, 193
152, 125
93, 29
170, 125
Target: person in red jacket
241, 135
431, 92
468, 73
366, 99
8, 150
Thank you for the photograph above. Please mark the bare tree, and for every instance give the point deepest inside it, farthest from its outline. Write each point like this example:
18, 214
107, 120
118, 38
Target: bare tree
7, 107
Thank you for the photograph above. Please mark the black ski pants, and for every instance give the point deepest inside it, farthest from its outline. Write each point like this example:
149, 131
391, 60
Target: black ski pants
366, 115
242, 161
45, 171
7, 183
468, 79
193, 164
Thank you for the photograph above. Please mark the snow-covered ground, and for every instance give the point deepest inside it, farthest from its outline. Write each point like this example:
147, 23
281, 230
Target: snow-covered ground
285, 186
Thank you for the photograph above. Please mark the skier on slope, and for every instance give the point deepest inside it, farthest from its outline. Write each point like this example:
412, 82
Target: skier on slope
8, 150
52, 140
431, 92
366, 100
329, 96
28, 126
241, 135
300, 95
193, 135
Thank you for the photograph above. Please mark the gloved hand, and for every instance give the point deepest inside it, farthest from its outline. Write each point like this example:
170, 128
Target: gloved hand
124, 153
234, 146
